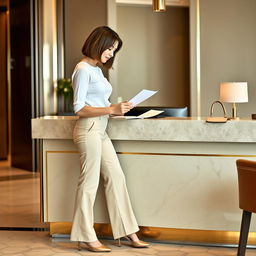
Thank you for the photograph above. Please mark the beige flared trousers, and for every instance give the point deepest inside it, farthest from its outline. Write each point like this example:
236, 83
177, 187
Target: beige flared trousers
98, 158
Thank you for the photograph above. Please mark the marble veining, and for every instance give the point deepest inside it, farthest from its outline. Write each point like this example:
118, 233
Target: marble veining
161, 129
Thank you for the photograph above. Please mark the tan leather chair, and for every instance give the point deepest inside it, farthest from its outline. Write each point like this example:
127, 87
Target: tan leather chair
247, 198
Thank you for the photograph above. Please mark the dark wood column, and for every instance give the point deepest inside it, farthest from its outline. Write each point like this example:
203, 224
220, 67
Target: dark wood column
21, 96
3, 82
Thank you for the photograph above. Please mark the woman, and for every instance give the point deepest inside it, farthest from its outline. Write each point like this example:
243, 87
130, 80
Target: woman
97, 155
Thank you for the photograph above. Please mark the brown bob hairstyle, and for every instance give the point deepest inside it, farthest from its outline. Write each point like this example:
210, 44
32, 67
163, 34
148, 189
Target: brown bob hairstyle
100, 40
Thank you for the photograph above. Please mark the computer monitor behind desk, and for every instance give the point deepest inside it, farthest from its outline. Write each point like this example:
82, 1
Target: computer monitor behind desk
168, 111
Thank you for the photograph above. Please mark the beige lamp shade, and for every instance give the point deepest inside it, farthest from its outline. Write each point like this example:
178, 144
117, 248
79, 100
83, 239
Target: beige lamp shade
234, 92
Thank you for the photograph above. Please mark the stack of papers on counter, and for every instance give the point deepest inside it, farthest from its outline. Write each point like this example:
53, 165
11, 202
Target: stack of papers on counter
150, 113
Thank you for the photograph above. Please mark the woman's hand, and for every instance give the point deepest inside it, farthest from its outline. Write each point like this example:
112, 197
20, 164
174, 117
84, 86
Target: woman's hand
121, 108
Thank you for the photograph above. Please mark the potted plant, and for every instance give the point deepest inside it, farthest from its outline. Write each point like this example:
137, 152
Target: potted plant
65, 96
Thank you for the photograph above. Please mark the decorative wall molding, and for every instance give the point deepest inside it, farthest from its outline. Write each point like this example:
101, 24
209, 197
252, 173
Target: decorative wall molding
149, 2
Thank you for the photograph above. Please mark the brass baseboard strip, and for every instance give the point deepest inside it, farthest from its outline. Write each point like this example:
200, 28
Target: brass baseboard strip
60, 228
165, 234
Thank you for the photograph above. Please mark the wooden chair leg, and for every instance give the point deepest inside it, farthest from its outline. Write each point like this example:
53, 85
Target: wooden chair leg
245, 225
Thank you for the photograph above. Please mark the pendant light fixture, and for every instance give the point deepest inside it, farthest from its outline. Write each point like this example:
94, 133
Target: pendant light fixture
159, 6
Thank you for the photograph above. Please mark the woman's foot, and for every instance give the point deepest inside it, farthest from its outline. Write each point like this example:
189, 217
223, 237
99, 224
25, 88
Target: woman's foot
94, 243
136, 242
95, 246
134, 237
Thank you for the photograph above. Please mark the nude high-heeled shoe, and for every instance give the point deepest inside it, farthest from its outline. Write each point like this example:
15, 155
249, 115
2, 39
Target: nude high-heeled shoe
135, 244
102, 248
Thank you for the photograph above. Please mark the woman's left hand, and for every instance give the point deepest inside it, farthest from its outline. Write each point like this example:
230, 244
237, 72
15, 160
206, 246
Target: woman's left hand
121, 108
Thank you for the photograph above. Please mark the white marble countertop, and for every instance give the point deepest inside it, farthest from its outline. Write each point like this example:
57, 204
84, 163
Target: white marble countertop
158, 129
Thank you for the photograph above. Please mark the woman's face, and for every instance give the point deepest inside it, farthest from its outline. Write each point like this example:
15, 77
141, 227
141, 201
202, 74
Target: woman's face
109, 53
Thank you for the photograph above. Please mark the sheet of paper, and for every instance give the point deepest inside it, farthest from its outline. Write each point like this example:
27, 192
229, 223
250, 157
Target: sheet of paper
147, 114
150, 113
141, 96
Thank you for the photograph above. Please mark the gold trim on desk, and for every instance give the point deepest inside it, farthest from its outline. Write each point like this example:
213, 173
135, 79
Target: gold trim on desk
159, 154
165, 234
62, 151
181, 154
46, 185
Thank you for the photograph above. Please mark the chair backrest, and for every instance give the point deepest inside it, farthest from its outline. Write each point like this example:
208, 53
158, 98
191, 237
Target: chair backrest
168, 111
247, 184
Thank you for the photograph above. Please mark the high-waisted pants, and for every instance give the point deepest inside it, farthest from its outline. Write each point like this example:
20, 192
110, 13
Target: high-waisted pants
98, 158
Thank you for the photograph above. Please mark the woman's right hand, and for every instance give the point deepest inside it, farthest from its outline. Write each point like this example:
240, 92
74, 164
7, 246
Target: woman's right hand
121, 108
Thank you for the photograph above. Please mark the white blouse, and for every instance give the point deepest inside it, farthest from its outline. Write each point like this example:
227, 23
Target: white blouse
90, 87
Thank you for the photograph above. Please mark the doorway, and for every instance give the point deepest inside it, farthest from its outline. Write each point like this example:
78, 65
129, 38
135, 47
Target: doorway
19, 180
20, 76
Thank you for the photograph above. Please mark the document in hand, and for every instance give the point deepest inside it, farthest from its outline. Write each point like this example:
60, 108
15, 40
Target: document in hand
137, 99
141, 96
150, 113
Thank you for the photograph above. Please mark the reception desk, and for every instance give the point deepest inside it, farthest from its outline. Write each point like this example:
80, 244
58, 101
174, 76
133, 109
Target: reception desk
180, 172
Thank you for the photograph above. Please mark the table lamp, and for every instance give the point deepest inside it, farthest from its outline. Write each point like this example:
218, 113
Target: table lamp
234, 92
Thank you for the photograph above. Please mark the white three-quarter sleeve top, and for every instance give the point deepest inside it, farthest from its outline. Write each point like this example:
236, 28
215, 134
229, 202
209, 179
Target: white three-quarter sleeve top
90, 87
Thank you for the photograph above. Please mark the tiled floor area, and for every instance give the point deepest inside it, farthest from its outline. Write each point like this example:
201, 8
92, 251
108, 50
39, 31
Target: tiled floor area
19, 197
29, 243
20, 208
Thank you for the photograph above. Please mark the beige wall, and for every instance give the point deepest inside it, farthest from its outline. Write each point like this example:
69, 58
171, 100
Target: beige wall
155, 54
81, 17
228, 50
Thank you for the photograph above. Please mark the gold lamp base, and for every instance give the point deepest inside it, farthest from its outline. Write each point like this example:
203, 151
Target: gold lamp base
234, 112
